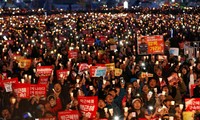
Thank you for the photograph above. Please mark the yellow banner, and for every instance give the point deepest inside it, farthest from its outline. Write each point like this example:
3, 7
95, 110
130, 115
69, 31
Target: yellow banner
110, 66
118, 72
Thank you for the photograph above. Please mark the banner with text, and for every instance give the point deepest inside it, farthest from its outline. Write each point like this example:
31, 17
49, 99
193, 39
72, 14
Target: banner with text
88, 106
150, 45
44, 70
38, 90
22, 90
192, 104
73, 54
62, 74
68, 115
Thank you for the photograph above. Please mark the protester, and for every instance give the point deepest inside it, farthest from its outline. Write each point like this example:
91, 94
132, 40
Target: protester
76, 63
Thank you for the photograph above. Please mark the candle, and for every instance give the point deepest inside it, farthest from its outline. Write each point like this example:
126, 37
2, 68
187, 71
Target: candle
71, 94
91, 87
105, 110
77, 80
29, 77
179, 58
172, 102
34, 80
129, 90
191, 67
104, 82
113, 82
111, 111
138, 81
25, 76
163, 92
160, 79
22, 80
157, 62
126, 109
179, 74
171, 118
155, 90
181, 106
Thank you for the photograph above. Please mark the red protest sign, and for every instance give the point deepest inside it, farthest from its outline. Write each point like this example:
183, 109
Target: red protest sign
73, 53
9, 81
38, 90
88, 106
150, 45
22, 90
50, 118
68, 115
89, 41
62, 74
103, 38
43, 80
82, 67
192, 104
44, 70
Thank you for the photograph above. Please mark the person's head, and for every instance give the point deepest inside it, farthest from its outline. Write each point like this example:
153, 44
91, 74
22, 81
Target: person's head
113, 92
184, 70
152, 83
166, 89
158, 72
4, 67
6, 113
167, 101
145, 88
137, 103
52, 100
109, 99
101, 103
57, 87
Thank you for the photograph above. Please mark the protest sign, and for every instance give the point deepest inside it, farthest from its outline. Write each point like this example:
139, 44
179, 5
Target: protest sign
103, 38
68, 115
88, 106
192, 104
22, 90
92, 69
145, 74
38, 90
8, 84
73, 53
89, 41
118, 72
113, 47
49, 118
162, 57
188, 115
110, 66
62, 74
150, 45
24, 63
43, 80
100, 71
83, 67
174, 51
44, 70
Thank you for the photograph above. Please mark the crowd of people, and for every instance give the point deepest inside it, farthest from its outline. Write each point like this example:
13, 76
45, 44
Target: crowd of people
47, 40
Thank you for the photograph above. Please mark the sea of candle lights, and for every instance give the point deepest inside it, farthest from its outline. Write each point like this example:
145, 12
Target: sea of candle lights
51, 37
